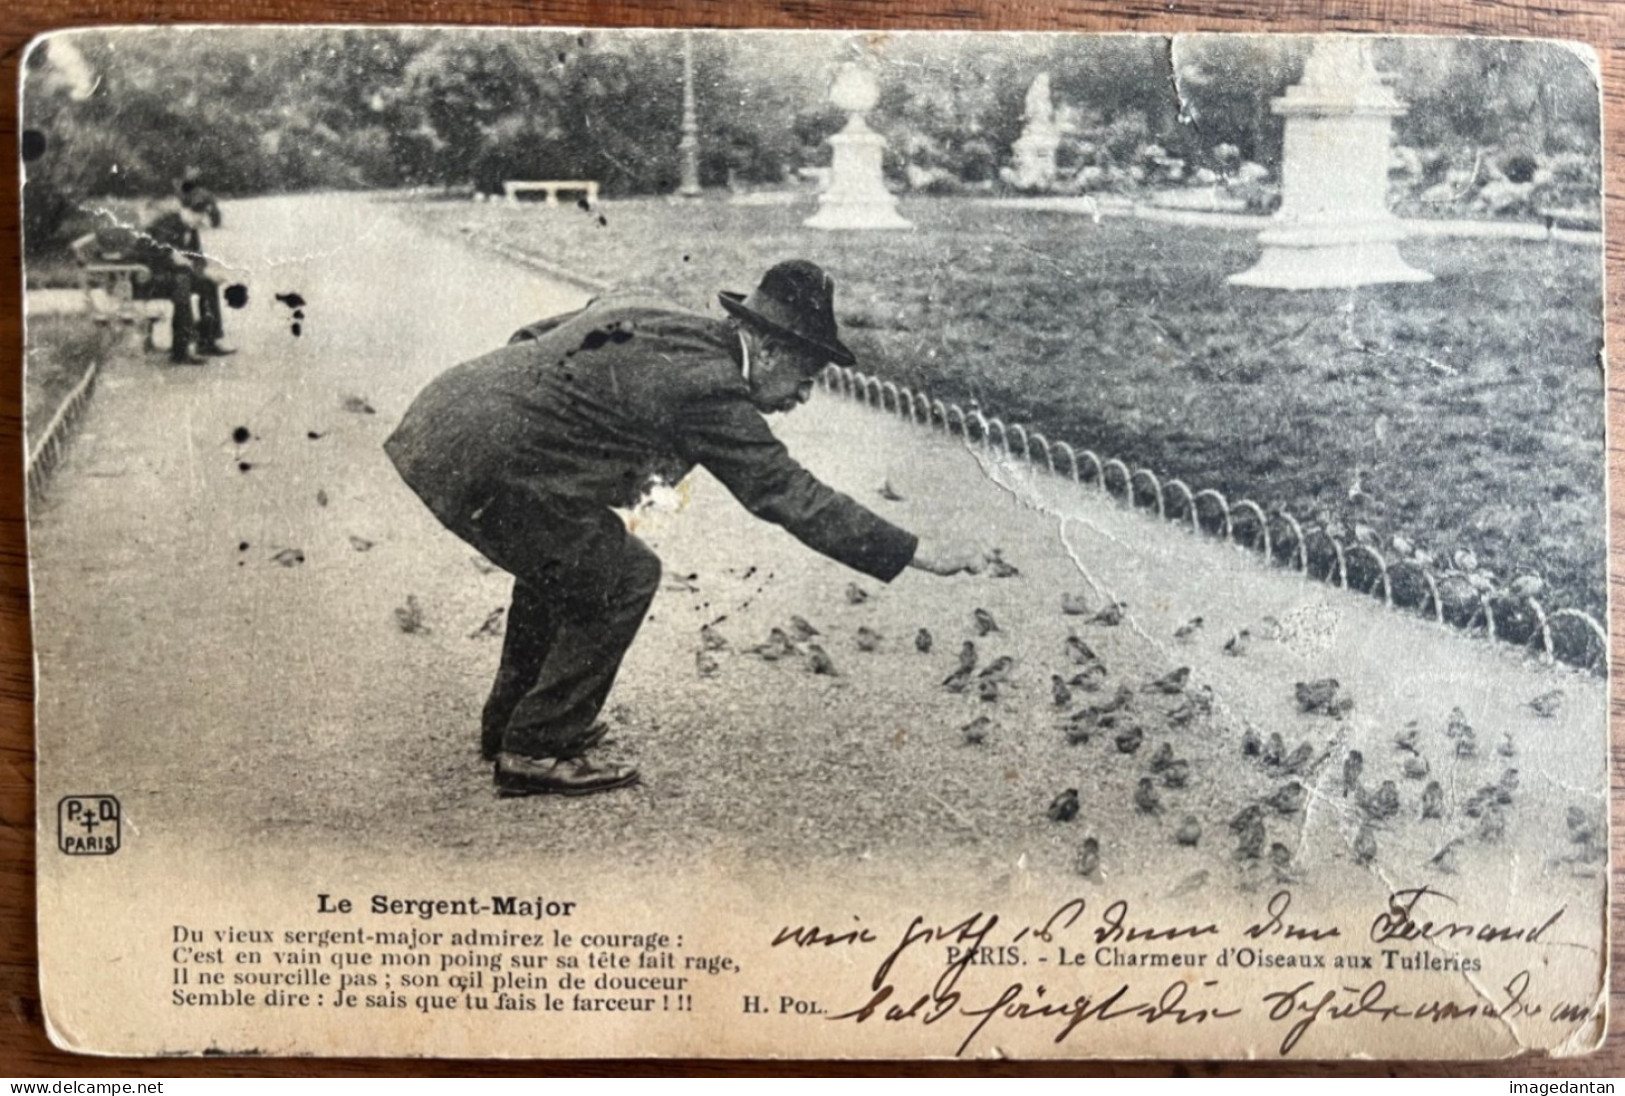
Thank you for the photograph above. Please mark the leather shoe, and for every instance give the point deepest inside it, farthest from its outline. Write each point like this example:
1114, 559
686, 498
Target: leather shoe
215, 350
185, 359
517, 775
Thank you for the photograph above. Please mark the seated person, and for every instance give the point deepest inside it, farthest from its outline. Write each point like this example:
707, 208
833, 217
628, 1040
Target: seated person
170, 247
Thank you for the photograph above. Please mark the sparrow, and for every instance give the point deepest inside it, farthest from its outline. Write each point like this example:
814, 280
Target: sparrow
1275, 750
1467, 743
1280, 857
975, 732
1189, 832
1171, 684
1194, 704
999, 567
818, 661
410, 617
1384, 804
1129, 740
1250, 843
1288, 799
999, 670
360, 544
1365, 846
1458, 724
1299, 760
1493, 826
1406, 739
357, 405
778, 646
1479, 801
1064, 808
711, 639
1582, 831
988, 690
289, 557
1445, 858
985, 622
1251, 744
1111, 616
957, 681
1236, 645
492, 625
855, 594
922, 641
1317, 696
1246, 817
1185, 631
1145, 797
1433, 800
1078, 734
967, 657
1415, 768
1089, 857
888, 493
321, 497
1121, 700
1547, 705
1177, 775
1353, 765
868, 639
1506, 786
1506, 748
803, 630
1059, 694
1162, 758
1074, 604
1080, 652
705, 663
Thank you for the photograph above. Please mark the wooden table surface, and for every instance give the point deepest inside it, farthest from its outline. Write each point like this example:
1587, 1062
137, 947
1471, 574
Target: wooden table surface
24, 1049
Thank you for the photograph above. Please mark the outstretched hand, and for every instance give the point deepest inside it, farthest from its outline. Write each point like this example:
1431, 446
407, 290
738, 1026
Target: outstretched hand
952, 558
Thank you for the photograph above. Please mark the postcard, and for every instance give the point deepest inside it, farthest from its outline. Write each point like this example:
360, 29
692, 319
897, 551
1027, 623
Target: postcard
583, 543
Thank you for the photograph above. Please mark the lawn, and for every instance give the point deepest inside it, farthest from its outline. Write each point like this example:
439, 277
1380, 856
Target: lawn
1462, 415
60, 350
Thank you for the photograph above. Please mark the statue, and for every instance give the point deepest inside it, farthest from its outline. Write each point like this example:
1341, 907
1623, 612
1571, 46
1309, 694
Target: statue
1033, 165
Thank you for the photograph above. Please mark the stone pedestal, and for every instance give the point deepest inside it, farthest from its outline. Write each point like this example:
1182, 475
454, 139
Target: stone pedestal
1334, 229
856, 197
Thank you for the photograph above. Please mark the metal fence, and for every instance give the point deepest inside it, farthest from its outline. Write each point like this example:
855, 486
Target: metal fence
1570, 634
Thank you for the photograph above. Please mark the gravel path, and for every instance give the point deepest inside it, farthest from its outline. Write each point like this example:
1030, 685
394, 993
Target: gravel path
221, 692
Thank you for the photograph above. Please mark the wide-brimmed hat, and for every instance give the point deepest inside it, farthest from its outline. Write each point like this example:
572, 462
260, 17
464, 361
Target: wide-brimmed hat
796, 300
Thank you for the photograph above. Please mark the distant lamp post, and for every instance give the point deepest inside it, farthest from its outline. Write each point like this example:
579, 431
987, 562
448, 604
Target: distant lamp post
1333, 229
689, 147
856, 197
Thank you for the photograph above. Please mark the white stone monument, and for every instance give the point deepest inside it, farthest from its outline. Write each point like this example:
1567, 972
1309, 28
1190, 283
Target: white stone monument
1333, 229
856, 196
1034, 151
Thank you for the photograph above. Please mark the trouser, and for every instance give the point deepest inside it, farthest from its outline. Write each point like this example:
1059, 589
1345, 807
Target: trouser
204, 325
582, 586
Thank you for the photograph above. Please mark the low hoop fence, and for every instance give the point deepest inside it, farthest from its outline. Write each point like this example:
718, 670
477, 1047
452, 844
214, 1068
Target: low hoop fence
45, 454
1445, 596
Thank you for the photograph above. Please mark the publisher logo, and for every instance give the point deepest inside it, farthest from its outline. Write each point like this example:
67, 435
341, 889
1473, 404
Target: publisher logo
88, 825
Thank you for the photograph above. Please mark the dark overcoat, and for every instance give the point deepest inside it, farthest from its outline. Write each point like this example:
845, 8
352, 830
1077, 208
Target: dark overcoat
590, 406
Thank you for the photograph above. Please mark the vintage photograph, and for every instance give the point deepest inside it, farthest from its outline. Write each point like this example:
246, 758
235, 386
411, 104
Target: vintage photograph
581, 543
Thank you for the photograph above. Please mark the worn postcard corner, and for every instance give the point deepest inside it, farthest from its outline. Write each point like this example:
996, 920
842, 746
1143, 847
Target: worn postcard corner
582, 543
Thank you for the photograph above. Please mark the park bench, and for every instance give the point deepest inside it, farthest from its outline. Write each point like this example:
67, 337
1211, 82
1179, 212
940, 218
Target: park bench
108, 279
513, 188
